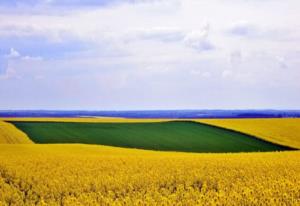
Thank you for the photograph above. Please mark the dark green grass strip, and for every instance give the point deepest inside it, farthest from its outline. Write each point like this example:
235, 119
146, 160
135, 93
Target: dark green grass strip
166, 136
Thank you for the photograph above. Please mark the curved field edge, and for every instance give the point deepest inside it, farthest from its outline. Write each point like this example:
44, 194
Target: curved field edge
252, 135
9, 134
186, 136
282, 131
101, 175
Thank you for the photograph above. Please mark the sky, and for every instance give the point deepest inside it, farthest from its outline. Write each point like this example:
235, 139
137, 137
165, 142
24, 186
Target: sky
149, 54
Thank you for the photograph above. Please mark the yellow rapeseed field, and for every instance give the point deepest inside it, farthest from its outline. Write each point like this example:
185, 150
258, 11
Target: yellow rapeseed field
100, 175
9, 134
284, 131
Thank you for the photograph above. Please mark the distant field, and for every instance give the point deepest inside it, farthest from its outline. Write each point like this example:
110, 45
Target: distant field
97, 175
81, 119
166, 136
283, 131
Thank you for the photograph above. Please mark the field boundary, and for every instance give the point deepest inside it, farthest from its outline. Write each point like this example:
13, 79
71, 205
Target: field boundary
249, 134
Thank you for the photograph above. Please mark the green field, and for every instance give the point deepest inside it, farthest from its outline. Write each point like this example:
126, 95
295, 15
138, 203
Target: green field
166, 136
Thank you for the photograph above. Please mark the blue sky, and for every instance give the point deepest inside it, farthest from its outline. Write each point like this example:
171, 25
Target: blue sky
149, 54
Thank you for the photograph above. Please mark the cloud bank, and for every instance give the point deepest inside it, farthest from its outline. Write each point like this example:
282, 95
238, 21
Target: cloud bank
143, 54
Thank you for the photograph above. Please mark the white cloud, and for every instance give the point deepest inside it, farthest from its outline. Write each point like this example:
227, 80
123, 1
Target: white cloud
244, 28
236, 58
32, 58
157, 33
198, 39
206, 74
39, 77
282, 62
9, 74
149, 52
13, 53
259, 31
227, 73
8, 70
12, 60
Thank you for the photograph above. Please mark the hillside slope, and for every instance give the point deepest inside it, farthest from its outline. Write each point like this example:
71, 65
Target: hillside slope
9, 134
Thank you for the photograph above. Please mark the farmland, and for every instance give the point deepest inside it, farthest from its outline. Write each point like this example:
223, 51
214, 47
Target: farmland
83, 174
100, 175
166, 136
284, 131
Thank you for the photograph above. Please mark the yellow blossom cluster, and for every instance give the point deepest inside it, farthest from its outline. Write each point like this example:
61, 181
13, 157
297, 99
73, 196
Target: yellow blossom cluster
100, 175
